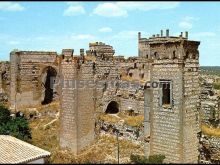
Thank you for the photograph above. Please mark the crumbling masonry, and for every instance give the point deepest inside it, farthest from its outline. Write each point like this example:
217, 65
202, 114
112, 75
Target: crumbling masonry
170, 102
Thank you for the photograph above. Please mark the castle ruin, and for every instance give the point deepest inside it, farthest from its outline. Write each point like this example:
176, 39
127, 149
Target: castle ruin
161, 83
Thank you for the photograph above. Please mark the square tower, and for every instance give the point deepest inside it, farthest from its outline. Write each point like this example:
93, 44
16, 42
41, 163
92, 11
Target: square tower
175, 93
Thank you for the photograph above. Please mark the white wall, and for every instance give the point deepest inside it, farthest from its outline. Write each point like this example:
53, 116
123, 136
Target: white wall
38, 161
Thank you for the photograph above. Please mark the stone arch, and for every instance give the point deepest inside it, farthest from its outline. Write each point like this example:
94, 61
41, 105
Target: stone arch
112, 108
48, 78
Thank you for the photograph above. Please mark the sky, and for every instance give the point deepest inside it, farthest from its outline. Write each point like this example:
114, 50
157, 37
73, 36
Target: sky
53, 26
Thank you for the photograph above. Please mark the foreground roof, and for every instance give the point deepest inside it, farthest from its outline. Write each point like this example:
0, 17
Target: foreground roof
13, 150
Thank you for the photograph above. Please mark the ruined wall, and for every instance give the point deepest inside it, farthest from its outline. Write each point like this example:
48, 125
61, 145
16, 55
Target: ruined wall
210, 109
172, 129
4, 81
209, 149
27, 79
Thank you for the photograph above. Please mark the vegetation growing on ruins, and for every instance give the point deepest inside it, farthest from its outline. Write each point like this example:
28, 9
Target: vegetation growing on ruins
211, 131
109, 118
102, 150
128, 120
134, 120
15, 126
153, 159
216, 86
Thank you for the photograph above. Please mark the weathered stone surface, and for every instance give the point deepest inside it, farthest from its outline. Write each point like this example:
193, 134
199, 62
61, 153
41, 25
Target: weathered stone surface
87, 84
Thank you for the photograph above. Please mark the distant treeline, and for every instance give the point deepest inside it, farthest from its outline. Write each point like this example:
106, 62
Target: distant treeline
211, 70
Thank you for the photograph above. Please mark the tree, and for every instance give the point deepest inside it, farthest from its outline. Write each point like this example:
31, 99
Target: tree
17, 127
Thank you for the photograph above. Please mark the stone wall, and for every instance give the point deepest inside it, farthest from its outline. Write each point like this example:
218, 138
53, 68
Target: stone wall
174, 127
209, 149
4, 81
27, 76
166, 133
77, 106
190, 111
210, 109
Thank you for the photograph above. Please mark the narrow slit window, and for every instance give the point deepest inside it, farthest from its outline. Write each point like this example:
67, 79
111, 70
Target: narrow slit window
166, 94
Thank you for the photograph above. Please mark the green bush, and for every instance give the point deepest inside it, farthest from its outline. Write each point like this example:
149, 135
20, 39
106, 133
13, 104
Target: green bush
153, 159
4, 115
138, 159
17, 127
156, 159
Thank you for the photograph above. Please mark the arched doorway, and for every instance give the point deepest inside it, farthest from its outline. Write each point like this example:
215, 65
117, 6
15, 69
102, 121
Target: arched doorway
112, 108
49, 77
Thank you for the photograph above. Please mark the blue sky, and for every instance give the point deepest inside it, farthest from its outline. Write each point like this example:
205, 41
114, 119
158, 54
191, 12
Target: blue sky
52, 26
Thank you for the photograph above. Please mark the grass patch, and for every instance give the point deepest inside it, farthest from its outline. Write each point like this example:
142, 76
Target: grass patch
109, 118
134, 120
207, 130
104, 150
47, 138
216, 86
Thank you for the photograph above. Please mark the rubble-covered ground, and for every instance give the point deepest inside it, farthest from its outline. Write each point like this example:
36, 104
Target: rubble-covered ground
44, 123
210, 125
210, 144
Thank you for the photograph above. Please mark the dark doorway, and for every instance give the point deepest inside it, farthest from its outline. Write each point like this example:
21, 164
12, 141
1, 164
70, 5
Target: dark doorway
112, 108
49, 84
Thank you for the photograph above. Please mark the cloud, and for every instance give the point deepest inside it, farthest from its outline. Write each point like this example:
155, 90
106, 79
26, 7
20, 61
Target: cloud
185, 25
105, 29
109, 10
119, 9
73, 9
187, 22
189, 18
83, 37
11, 6
47, 42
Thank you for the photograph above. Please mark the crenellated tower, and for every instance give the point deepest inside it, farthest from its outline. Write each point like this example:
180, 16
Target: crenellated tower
173, 113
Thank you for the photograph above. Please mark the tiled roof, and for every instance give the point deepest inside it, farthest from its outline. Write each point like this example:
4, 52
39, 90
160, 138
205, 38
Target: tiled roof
13, 150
